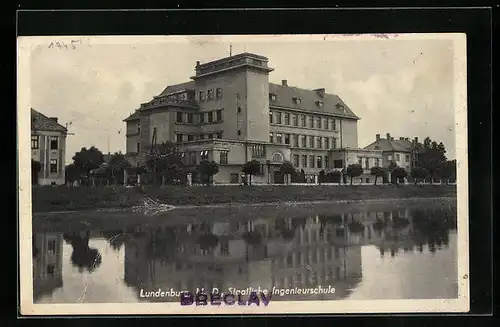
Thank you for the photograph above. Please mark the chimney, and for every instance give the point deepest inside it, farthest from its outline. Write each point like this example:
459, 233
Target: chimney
284, 82
197, 63
54, 119
377, 137
401, 138
392, 138
416, 140
407, 139
388, 135
321, 92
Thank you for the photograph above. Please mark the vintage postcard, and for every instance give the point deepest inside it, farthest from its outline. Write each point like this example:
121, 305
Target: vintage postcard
243, 174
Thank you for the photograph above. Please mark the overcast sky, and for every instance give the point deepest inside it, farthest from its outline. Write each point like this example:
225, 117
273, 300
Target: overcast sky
402, 87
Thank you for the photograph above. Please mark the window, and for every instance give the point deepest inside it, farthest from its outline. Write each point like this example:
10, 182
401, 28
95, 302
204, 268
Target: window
304, 141
210, 117
327, 143
377, 162
304, 161
219, 115
278, 118
34, 142
138, 127
287, 118
190, 137
337, 163
407, 158
218, 93
279, 138
270, 117
239, 109
210, 94
224, 248
367, 163
54, 140
296, 100
334, 143
319, 104
272, 97
238, 97
311, 142
179, 117
327, 162
204, 155
202, 118
51, 246
223, 157
319, 162
190, 117
318, 122
287, 138
295, 120
334, 124
325, 123
303, 120
179, 137
258, 151
389, 158
360, 162
210, 136
311, 122
202, 136
51, 270
202, 96
219, 135
311, 161
396, 157
53, 165
271, 137
318, 142
296, 141
138, 148
296, 160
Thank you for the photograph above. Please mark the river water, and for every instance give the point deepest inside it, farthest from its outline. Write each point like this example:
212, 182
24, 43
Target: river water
384, 252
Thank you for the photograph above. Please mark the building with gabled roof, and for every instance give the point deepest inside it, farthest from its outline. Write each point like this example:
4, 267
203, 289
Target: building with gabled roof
230, 113
48, 148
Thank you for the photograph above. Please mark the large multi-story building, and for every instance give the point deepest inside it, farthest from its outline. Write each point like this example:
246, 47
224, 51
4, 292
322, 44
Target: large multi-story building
48, 147
230, 113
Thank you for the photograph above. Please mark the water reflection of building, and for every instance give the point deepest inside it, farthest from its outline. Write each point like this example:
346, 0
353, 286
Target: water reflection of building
47, 263
284, 253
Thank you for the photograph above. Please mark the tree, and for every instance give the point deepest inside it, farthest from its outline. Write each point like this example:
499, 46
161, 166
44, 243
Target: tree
73, 173
88, 159
354, 170
35, 169
398, 173
432, 157
251, 168
322, 176
286, 169
448, 170
377, 172
419, 174
208, 169
116, 167
166, 161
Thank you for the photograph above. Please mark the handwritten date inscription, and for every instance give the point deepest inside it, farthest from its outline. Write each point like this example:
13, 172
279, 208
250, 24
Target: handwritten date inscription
65, 45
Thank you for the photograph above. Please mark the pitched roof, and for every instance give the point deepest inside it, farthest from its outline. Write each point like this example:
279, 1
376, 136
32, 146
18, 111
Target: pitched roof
308, 100
178, 87
392, 145
40, 122
134, 116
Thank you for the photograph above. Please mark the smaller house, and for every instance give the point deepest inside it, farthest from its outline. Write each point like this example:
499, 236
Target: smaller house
402, 151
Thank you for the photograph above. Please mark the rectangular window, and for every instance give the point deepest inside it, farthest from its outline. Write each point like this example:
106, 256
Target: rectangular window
278, 118
272, 97
223, 157
360, 162
190, 117
271, 137
210, 136
338, 163
51, 270
202, 118
34, 142
311, 161
287, 118
334, 124
179, 117
179, 137
258, 151
367, 163
296, 141
396, 157
325, 123
279, 138
327, 162
318, 142
219, 115
334, 143
54, 142
303, 120
295, 120
51, 246
319, 162
204, 155
53, 165
318, 122
219, 93
238, 98
210, 94
311, 142
304, 141
202, 96
327, 143
287, 138
377, 163
190, 137
311, 122
219, 135
407, 158
304, 161
138, 148
210, 117
296, 160
270, 117
138, 127
224, 248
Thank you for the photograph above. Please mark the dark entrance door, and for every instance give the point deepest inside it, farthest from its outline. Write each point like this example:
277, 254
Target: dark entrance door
279, 178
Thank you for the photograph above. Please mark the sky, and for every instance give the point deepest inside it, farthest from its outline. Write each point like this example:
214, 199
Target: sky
400, 86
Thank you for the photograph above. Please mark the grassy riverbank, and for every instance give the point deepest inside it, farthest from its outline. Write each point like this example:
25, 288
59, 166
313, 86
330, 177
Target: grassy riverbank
50, 198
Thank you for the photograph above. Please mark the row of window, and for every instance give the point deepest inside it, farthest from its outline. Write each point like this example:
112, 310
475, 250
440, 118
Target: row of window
288, 119
191, 157
203, 117
192, 137
35, 142
365, 162
273, 97
397, 157
303, 141
310, 161
310, 256
210, 94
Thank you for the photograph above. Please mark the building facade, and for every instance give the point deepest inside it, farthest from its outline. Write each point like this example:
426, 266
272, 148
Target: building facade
230, 113
48, 147
402, 151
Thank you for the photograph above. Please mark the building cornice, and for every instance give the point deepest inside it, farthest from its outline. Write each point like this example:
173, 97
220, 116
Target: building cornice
322, 113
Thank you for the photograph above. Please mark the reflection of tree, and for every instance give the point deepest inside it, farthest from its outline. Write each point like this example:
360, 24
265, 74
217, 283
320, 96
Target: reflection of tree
252, 238
115, 238
355, 226
162, 243
208, 241
83, 257
288, 234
